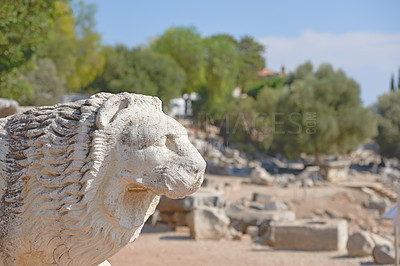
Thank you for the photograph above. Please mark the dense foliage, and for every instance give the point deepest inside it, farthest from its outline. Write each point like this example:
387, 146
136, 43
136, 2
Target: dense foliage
316, 112
46, 39
23, 28
49, 48
140, 71
322, 113
388, 117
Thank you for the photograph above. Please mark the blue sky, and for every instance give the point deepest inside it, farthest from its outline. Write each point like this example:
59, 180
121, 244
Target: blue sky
360, 36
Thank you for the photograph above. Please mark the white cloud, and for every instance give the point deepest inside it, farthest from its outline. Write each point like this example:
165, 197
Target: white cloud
370, 58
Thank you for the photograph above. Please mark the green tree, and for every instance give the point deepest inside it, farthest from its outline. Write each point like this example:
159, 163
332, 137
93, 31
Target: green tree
74, 46
251, 61
23, 28
222, 64
398, 81
276, 82
388, 117
48, 87
392, 83
184, 45
167, 76
320, 113
140, 71
250, 121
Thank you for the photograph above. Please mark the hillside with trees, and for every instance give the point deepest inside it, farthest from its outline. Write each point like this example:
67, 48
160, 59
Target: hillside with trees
313, 111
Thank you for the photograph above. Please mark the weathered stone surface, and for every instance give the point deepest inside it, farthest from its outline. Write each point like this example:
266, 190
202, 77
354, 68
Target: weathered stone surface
80, 179
362, 243
261, 198
216, 169
208, 223
256, 217
174, 219
256, 205
203, 197
380, 204
260, 176
310, 234
234, 208
384, 254
335, 171
275, 206
252, 230
378, 240
8, 107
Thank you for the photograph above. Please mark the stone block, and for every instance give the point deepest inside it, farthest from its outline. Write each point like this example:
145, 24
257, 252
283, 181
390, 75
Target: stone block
260, 176
362, 243
335, 171
203, 197
384, 254
310, 234
208, 223
250, 217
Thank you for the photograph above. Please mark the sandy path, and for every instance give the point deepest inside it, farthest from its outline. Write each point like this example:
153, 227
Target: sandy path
175, 248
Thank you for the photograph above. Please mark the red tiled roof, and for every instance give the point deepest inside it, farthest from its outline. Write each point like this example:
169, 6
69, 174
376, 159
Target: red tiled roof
266, 73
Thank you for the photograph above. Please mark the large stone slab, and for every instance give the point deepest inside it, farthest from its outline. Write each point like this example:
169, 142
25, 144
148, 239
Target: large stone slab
310, 234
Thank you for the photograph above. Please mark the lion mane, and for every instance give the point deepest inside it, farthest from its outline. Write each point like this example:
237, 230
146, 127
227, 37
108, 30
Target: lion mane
52, 157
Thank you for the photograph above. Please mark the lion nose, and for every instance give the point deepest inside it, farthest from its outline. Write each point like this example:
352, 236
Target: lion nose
200, 165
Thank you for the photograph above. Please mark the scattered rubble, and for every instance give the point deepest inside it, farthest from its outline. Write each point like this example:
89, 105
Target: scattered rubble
174, 212
362, 243
241, 220
272, 221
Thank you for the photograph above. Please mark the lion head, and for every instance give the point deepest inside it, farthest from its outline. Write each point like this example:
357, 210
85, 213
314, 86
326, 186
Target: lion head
84, 177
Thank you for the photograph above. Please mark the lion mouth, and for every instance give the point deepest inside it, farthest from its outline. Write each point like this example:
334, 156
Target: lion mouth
135, 200
137, 189
166, 181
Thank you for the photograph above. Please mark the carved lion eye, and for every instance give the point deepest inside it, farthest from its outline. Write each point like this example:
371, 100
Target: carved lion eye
161, 142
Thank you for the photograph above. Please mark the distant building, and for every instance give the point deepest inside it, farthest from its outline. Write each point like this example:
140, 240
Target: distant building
238, 93
269, 73
178, 105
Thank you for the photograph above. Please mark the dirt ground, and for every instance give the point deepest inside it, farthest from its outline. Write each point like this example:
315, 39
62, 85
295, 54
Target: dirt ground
176, 248
161, 246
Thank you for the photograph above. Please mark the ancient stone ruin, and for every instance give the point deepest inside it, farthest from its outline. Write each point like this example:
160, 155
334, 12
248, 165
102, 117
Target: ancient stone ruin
80, 179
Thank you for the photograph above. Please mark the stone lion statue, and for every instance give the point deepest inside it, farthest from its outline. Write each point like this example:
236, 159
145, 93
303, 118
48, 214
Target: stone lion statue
80, 179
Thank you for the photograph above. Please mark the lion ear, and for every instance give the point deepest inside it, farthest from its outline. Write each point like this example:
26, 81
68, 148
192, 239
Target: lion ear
109, 110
